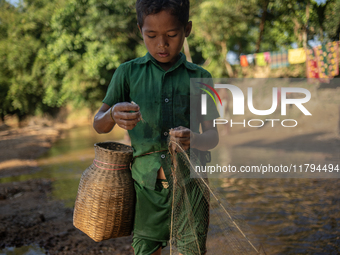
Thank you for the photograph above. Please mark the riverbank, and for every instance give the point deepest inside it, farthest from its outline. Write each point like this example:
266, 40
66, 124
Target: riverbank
28, 215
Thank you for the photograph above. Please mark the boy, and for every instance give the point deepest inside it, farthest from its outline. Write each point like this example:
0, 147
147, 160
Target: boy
158, 85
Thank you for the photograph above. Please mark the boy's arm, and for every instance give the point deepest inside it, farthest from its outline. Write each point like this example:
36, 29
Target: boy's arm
188, 139
125, 115
208, 139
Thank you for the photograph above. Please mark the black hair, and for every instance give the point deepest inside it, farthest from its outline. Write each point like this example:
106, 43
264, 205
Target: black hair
178, 8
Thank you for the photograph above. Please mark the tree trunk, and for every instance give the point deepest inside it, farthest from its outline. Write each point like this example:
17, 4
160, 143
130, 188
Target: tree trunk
227, 65
263, 21
297, 30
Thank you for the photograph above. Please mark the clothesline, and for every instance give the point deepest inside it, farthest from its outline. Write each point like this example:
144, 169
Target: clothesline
322, 62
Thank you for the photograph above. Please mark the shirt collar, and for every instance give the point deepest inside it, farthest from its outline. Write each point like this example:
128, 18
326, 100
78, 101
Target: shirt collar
182, 60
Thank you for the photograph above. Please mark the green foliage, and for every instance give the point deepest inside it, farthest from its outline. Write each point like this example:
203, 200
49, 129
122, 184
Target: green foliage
332, 20
54, 53
219, 25
89, 40
283, 25
58, 52
288, 20
19, 44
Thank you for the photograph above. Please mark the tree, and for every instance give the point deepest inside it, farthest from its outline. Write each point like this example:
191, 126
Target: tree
331, 22
298, 21
88, 42
286, 23
20, 44
265, 4
54, 53
5, 17
218, 26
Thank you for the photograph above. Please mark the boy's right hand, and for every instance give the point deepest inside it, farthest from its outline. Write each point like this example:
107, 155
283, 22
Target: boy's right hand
126, 115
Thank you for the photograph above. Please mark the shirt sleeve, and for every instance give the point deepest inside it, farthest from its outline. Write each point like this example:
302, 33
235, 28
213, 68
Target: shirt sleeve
118, 90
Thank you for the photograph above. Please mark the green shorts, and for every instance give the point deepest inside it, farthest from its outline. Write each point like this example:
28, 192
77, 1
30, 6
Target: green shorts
152, 221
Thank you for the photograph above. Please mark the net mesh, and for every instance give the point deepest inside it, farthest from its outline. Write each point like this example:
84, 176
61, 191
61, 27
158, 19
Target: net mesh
201, 221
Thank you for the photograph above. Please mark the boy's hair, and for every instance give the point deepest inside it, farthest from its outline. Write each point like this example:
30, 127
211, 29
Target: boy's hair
178, 8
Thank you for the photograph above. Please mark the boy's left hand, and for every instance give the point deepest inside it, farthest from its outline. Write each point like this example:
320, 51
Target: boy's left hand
181, 136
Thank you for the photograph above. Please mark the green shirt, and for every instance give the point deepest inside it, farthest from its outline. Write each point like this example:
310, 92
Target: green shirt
164, 101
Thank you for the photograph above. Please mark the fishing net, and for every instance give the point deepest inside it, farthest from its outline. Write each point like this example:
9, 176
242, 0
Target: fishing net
202, 222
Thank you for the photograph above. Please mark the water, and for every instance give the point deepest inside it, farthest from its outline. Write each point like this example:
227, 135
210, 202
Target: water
289, 216
24, 250
67, 159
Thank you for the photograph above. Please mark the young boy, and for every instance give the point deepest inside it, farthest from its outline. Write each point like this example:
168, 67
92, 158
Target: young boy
156, 88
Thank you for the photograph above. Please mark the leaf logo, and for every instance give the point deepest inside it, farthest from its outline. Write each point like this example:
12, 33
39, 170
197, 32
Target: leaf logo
208, 92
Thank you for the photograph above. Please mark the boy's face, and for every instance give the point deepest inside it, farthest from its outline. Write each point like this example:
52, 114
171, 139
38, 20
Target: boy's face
164, 36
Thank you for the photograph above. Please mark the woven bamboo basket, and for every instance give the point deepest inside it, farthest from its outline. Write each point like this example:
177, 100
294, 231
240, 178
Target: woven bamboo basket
105, 202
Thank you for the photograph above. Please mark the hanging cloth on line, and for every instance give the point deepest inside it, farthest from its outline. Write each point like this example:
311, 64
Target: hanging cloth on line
250, 58
244, 61
296, 56
322, 62
267, 56
279, 59
333, 58
312, 66
260, 59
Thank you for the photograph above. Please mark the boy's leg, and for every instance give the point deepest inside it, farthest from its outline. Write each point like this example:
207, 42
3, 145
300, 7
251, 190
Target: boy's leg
146, 247
158, 252
152, 219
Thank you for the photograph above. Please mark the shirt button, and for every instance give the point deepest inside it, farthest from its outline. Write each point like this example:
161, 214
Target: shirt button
166, 100
165, 133
162, 156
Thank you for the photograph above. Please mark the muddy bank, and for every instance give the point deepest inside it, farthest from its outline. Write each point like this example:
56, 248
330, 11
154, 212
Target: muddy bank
28, 215
21, 146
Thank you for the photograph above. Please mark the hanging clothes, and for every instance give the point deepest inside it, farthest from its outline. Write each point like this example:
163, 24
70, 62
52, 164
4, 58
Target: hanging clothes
267, 56
250, 58
279, 59
333, 58
296, 56
321, 55
260, 59
244, 61
312, 66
